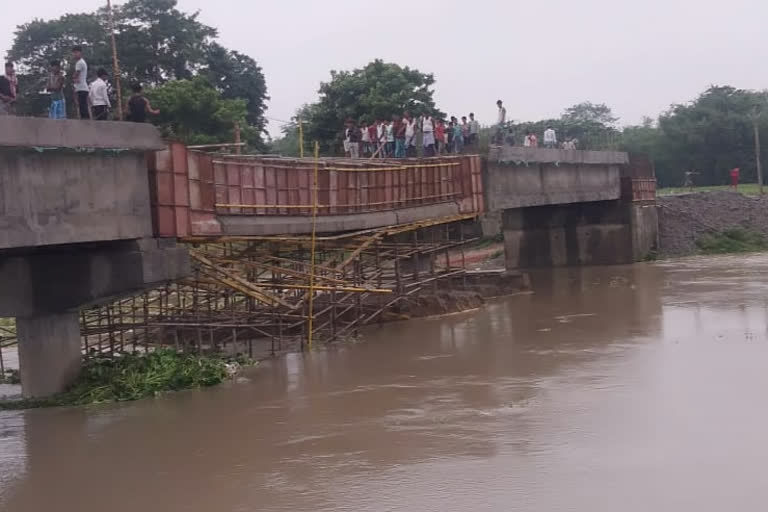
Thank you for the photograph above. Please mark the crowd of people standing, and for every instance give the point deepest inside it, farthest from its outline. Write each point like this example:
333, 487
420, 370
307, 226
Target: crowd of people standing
398, 137
92, 101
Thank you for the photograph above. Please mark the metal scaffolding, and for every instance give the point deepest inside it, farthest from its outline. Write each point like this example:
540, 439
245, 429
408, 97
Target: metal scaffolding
261, 296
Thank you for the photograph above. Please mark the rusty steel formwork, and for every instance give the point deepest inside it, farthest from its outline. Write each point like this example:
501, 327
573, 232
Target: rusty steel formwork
261, 297
190, 189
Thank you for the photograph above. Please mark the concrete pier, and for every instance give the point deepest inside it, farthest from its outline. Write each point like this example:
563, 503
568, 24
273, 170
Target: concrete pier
75, 230
49, 352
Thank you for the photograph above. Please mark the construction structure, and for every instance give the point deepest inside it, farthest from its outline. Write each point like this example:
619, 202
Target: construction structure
113, 241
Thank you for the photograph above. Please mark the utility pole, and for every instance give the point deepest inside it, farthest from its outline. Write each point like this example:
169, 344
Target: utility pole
301, 139
115, 63
755, 117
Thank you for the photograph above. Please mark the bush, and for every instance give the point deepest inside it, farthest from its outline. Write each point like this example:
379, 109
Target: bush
133, 377
732, 241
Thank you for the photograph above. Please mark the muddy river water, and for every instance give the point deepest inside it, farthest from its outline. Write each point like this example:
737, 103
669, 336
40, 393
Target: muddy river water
610, 389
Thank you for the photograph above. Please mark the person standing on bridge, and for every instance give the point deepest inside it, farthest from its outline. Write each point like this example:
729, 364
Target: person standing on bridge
501, 120
365, 138
6, 99
399, 129
99, 96
58, 108
458, 137
410, 135
428, 131
81, 83
13, 80
138, 106
550, 138
474, 130
440, 137
352, 139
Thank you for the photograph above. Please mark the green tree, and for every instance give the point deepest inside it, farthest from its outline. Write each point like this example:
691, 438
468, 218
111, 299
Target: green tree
712, 134
644, 139
157, 42
376, 91
588, 112
592, 125
195, 113
238, 76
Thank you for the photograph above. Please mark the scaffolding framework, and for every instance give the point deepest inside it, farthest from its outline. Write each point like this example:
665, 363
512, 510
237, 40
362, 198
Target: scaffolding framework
254, 295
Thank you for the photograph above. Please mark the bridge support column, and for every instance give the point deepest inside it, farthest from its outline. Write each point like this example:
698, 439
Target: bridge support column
49, 352
597, 233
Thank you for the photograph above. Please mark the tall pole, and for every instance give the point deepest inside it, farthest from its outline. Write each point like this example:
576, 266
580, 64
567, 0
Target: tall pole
115, 63
755, 117
301, 139
312, 264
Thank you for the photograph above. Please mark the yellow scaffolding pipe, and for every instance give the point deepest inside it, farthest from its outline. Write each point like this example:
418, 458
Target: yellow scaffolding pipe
313, 249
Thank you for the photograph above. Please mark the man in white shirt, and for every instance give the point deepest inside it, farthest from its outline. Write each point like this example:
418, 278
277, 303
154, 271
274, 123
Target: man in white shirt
500, 122
410, 135
365, 139
99, 96
81, 84
550, 138
428, 131
474, 129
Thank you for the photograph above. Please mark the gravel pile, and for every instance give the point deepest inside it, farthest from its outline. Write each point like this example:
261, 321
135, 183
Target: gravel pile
684, 218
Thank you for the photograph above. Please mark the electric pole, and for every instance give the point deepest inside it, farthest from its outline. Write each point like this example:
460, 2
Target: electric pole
755, 117
115, 63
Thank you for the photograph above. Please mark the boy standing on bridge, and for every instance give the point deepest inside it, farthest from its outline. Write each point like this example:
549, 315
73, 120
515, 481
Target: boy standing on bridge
99, 96
58, 109
474, 129
81, 83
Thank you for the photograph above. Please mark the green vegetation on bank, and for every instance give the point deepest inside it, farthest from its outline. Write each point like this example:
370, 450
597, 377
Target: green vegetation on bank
748, 189
734, 240
136, 376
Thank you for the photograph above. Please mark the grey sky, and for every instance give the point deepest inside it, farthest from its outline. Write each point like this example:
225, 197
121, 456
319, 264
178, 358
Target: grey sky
539, 57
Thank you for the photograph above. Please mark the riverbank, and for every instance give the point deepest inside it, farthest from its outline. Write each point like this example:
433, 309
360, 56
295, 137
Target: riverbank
687, 219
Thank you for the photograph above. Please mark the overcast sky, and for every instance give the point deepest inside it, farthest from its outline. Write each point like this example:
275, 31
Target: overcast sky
539, 57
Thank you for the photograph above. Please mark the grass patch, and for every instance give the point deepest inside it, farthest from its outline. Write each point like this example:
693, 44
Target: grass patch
133, 377
732, 241
748, 189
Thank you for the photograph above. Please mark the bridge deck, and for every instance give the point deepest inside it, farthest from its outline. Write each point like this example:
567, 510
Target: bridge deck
196, 194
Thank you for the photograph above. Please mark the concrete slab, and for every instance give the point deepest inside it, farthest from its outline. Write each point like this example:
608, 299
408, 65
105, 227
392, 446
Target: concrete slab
18, 132
241, 225
551, 156
55, 198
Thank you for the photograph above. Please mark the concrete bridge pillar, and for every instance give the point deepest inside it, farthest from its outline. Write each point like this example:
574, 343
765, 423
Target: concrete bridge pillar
49, 352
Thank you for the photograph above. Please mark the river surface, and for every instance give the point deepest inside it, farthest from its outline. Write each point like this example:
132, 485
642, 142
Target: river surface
610, 389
